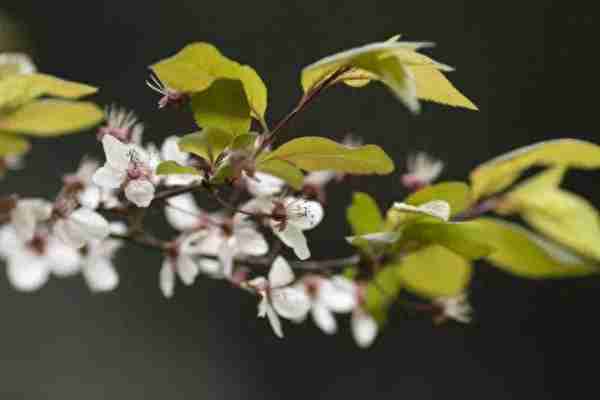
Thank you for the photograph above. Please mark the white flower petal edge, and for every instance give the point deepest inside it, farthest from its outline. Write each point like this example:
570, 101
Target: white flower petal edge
27, 213
140, 192
82, 226
294, 238
281, 273
167, 279
364, 328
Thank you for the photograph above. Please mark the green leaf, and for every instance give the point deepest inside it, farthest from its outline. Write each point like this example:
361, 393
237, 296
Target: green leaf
11, 145
364, 215
51, 118
434, 271
244, 141
408, 74
16, 90
464, 238
382, 291
172, 167
208, 143
456, 194
520, 252
198, 65
291, 174
223, 106
501, 172
313, 153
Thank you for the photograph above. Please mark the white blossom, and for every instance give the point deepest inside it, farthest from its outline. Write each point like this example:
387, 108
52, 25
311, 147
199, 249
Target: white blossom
183, 214
455, 307
29, 263
364, 328
263, 185
278, 298
422, 170
129, 166
315, 182
97, 267
80, 227
170, 152
27, 214
330, 295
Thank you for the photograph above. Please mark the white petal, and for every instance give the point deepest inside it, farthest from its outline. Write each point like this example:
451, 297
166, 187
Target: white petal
280, 274
108, 177
227, 252
338, 294
290, 302
187, 269
274, 320
293, 237
27, 213
210, 267
251, 242
101, 275
262, 185
212, 242
181, 179
319, 178
170, 150
68, 233
118, 154
436, 208
262, 307
364, 328
323, 318
63, 260
10, 242
182, 212
90, 197
140, 192
304, 214
167, 279
93, 226
27, 273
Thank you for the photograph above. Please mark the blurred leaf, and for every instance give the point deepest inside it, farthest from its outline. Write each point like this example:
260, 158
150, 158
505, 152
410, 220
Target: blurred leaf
11, 145
208, 143
313, 153
172, 167
393, 63
382, 291
521, 252
438, 209
198, 65
456, 194
434, 271
282, 169
223, 106
244, 141
464, 238
51, 118
501, 172
374, 244
364, 215
17, 90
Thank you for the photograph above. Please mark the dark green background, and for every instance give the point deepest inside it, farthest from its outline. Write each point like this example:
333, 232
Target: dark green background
529, 65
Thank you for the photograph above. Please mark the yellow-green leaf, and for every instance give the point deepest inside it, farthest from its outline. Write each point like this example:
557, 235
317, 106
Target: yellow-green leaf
434, 271
318, 153
499, 173
16, 90
364, 215
244, 141
208, 143
198, 65
51, 118
223, 106
282, 169
520, 252
432, 85
457, 194
463, 238
11, 145
14, 63
172, 167
382, 291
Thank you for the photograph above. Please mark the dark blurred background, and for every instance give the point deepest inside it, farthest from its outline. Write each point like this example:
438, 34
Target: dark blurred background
529, 65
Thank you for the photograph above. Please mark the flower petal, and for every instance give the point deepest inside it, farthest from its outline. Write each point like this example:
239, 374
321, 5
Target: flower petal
100, 275
90, 197
27, 213
305, 214
63, 259
227, 252
280, 274
93, 225
364, 328
187, 269
170, 151
108, 177
293, 237
338, 294
182, 212
166, 279
290, 302
324, 319
251, 242
262, 185
140, 192
274, 320
27, 274
118, 154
